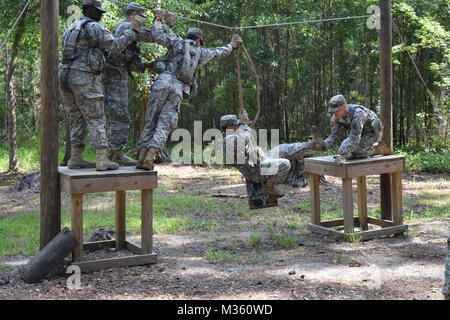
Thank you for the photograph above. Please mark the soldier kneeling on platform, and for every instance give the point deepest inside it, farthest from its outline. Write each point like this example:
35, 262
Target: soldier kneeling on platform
365, 129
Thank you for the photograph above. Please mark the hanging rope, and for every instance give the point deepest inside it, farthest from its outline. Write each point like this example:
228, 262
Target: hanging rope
243, 114
15, 24
433, 99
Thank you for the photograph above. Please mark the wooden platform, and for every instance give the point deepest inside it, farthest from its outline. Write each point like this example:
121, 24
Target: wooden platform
80, 181
359, 169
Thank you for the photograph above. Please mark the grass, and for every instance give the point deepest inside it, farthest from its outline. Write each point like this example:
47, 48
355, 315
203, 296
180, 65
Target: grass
285, 242
215, 255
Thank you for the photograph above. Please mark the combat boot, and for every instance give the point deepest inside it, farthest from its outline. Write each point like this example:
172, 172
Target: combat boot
271, 189
76, 160
103, 163
142, 154
382, 149
119, 157
317, 142
149, 162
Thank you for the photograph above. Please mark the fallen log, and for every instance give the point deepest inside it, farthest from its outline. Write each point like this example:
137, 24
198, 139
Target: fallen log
49, 257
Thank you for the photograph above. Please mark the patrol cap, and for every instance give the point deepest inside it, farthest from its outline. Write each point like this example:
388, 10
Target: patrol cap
196, 32
94, 3
133, 6
336, 102
229, 120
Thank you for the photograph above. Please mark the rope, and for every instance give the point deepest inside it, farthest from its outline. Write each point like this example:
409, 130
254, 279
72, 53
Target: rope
433, 99
257, 26
15, 23
241, 100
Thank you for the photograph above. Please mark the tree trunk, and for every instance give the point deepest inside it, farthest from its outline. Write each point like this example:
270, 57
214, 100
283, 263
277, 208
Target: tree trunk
11, 100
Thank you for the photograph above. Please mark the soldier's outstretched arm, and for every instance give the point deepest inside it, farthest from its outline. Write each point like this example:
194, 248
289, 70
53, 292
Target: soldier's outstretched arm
162, 37
209, 54
335, 136
107, 41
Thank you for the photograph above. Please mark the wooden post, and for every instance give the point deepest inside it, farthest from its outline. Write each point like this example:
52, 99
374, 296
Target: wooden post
386, 99
315, 198
147, 222
362, 202
50, 193
120, 219
397, 199
348, 205
77, 224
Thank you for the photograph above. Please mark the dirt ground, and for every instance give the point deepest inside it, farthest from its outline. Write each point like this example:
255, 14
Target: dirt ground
410, 266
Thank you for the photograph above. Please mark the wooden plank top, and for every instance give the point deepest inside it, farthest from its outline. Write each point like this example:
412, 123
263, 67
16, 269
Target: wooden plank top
93, 173
366, 161
77, 181
355, 168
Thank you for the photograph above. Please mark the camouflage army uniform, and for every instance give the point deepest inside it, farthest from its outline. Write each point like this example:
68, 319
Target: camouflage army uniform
80, 85
365, 130
446, 288
115, 84
168, 90
256, 167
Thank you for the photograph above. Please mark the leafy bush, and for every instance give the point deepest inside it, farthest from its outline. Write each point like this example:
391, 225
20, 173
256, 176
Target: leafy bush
432, 160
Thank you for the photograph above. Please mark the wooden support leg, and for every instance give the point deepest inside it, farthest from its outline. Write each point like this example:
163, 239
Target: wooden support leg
397, 206
348, 205
385, 196
77, 225
120, 219
315, 198
147, 222
362, 202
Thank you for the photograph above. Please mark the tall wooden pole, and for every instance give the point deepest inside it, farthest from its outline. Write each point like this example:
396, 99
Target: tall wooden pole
50, 193
386, 98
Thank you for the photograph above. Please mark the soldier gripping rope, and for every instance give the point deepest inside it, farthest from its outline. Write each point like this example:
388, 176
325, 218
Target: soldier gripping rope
115, 82
263, 171
83, 60
176, 81
365, 129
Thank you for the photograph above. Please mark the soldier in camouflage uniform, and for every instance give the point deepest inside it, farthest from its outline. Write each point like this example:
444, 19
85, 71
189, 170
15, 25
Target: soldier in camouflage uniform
115, 83
175, 82
263, 171
84, 44
446, 288
365, 130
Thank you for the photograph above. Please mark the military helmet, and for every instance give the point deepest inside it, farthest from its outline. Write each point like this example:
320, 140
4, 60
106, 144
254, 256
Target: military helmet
133, 6
94, 3
195, 32
228, 120
336, 102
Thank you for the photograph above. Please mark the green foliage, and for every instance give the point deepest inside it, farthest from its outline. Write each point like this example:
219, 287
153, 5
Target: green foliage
424, 159
300, 67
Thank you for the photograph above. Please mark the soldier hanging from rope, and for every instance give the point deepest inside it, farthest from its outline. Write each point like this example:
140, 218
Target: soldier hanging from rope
263, 171
84, 45
176, 81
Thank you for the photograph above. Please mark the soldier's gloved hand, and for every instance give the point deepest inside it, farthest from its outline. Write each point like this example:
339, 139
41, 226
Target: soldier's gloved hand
340, 159
236, 41
170, 18
137, 22
158, 13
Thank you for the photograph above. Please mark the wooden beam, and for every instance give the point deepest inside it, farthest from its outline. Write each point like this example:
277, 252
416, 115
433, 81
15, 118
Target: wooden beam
397, 199
362, 202
348, 205
315, 198
386, 98
120, 219
50, 193
147, 222
77, 224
